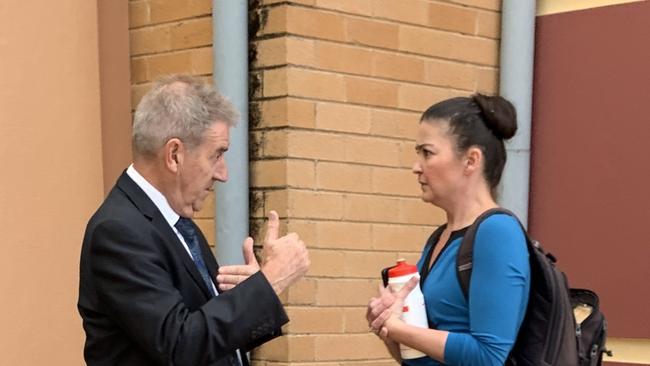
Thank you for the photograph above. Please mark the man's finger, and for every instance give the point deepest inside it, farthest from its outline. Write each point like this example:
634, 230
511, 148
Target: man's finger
237, 269
249, 254
272, 227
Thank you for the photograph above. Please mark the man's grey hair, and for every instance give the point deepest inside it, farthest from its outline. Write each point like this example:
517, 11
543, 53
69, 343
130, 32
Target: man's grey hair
178, 106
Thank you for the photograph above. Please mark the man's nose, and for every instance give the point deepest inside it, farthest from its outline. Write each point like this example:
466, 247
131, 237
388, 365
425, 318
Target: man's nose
221, 172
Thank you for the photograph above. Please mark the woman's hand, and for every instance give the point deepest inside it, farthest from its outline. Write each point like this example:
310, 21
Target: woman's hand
387, 306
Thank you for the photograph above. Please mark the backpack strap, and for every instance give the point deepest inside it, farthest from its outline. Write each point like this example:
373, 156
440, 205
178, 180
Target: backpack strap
428, 247
466, 250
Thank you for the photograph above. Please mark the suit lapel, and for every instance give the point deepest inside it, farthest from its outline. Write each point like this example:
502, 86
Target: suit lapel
149, 210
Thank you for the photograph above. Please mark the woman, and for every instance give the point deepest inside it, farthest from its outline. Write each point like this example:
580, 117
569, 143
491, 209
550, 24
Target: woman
461, 155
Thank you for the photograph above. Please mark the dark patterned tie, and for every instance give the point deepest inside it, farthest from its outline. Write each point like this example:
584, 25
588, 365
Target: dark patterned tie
186, 228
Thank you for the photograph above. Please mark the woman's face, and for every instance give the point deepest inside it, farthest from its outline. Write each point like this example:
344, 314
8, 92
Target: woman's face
439, 167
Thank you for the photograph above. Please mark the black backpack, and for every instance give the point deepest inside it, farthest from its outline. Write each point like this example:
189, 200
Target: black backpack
549, 334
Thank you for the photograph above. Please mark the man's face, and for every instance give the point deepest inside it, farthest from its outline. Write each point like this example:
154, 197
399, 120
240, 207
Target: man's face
201, 167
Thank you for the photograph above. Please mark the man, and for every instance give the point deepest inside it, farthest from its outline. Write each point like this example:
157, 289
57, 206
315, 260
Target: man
147, 291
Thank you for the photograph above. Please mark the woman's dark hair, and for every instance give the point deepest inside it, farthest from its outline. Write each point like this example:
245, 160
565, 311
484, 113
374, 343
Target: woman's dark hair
482, 121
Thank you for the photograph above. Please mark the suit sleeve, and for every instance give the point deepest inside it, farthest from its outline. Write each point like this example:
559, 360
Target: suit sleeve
136, 289
498, 295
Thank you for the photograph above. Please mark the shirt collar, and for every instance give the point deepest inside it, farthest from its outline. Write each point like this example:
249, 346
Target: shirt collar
154, 195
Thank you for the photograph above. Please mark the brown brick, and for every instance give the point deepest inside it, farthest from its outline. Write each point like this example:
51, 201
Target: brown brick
207, 212
306, 229
166, 10
372, 150
196, 61
367, 264
207, 228
414, 211
370, 208
343, 177
488, 81
315, 84
201, 61
310, 204
302, 292
287, 112
192, 33
326, 263
311, 23
394, 123
315, 320
372, 92
345, 292
410, 257
342, 117
285, 50
315, 145
138, 13
482, 4
355, 319
343, 235
137, 92
303, 2
271, 52
337, 347
274, 173
372, 33
399, 237
277, 200
419, 97
363, 7
399, 67
276, 21
274, 82
448, 45
288, 348
387, 362
394, 181
489, 24
450, 74
139, 72
452, 17
407, 154
338, 57
409, 11
150, 40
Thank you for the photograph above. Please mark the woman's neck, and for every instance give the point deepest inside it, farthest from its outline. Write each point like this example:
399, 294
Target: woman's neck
464, 210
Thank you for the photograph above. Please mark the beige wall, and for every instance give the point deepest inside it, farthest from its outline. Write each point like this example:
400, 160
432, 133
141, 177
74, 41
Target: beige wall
342, 85
52, 174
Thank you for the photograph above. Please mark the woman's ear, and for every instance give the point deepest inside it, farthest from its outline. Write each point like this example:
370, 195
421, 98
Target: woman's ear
173, 154
473, 160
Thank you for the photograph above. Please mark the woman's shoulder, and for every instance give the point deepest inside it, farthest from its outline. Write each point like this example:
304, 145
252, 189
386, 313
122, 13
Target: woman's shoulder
502, 228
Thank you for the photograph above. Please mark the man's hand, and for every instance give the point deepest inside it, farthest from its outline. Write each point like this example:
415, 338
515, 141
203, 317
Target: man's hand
285, 259
231, 276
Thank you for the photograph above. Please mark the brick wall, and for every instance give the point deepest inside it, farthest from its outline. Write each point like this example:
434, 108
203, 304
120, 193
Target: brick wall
167, 37
338, 89
341, 87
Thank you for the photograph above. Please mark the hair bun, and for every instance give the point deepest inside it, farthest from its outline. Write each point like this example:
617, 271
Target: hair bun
499, 115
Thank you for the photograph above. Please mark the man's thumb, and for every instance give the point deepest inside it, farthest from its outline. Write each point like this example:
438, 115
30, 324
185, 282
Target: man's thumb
249, 255
272, 227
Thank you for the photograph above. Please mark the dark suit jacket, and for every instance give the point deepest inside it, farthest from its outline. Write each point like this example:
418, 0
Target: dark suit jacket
143, 301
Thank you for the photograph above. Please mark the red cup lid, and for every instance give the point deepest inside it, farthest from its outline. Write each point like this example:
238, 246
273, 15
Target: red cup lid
402, 269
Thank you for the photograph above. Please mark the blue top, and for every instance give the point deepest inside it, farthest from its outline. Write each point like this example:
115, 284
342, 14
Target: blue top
484, 332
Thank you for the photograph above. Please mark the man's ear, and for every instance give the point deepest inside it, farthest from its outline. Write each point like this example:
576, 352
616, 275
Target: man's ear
173, 154
473, 160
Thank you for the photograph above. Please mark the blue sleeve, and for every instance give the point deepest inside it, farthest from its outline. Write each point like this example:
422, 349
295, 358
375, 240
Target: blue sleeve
498, 295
